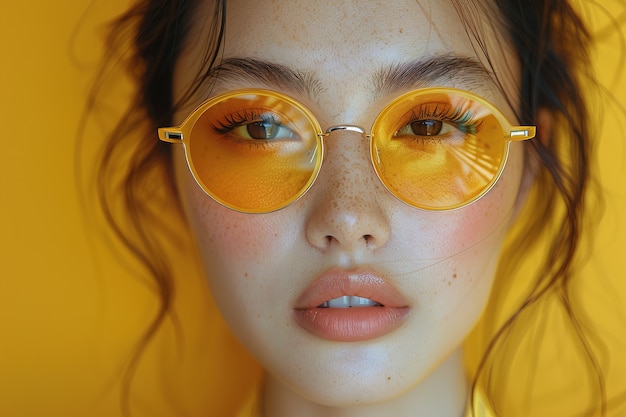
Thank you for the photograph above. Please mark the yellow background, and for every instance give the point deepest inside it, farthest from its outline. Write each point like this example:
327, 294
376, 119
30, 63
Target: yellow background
67, 316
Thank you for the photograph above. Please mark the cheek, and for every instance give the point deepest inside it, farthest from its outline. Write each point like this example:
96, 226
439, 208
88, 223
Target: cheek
235, 248
462, 283
489, 217
228, 236
238, 252
455, 254
222, 234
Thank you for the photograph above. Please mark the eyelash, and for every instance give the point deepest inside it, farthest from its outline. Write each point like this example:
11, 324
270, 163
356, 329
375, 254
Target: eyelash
242, 118
463, 120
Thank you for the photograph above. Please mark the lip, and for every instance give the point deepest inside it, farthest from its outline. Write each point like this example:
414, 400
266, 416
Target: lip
356, 323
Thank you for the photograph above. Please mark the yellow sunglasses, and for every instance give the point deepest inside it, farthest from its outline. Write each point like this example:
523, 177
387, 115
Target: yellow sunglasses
257, 151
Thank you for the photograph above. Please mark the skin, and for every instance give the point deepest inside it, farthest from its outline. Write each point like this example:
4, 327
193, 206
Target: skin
442, 262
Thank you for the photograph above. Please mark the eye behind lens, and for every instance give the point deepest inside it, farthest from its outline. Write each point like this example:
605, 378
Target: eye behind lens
426, 127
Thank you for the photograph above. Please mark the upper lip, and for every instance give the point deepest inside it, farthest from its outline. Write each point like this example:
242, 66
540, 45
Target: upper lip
337, 282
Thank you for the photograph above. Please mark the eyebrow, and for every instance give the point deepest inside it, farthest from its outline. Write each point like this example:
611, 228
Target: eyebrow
438, 70
250, 70
444, 70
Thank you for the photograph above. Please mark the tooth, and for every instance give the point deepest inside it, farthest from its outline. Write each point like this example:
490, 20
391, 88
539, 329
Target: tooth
339, 302
360, 301
348, 301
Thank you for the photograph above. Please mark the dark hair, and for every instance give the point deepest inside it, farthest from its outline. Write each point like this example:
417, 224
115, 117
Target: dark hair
551, 43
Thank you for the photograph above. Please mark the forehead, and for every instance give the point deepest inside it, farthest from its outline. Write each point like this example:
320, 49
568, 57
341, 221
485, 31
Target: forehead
396, 28
344, 46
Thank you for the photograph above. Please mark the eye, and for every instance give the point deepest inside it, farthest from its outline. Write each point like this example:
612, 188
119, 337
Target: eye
264, 130
425, 127
439, 121
252, 125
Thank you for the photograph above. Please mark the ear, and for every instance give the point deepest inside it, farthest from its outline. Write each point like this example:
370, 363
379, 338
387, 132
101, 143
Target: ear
531, 159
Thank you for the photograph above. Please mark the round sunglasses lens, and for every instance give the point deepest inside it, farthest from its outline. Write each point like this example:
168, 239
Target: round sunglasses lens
255, 152
438, 150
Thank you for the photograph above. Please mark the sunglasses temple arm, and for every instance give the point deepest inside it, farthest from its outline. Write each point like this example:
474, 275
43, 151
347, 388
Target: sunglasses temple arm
519, 133
170, 134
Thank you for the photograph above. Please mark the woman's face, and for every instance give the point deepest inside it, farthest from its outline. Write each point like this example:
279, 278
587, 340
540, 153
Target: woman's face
348, 235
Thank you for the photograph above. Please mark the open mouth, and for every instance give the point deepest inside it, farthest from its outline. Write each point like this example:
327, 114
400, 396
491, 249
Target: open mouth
350, 306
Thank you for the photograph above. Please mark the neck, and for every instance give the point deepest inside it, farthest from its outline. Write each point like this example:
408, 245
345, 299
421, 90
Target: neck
443, 393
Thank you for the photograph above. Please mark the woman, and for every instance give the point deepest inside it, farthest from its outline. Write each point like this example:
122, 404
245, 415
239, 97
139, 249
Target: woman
350, 173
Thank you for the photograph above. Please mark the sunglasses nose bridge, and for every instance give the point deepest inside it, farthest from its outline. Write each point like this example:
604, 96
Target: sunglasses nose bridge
349, 128
344, 128
347, 154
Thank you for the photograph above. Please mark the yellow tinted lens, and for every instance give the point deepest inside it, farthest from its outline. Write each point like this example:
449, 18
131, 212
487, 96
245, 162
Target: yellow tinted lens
438, 150
255, 152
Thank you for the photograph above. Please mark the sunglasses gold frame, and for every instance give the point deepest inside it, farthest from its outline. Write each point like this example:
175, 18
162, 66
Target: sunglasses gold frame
181, 135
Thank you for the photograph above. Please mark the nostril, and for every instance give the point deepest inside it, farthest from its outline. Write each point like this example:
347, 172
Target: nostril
337, 223
369, 240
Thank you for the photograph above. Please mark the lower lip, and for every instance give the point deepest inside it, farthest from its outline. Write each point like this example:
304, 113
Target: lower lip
351, 324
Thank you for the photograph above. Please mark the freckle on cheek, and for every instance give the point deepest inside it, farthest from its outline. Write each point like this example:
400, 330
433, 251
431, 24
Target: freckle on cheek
477, 223
225, 235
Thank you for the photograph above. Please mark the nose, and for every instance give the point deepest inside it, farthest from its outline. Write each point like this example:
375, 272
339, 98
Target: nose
347, 213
